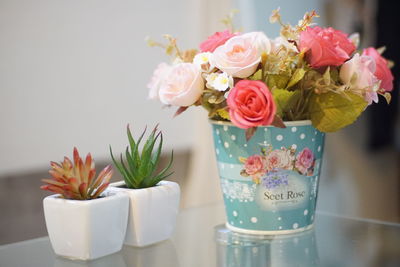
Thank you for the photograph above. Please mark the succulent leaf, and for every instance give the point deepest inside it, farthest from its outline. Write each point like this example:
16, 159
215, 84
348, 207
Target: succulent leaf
77, 180
139, 166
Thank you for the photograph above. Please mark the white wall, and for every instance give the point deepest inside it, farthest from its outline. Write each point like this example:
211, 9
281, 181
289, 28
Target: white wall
73, 73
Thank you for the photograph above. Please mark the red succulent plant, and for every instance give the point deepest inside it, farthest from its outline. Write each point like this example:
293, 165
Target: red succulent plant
77, 180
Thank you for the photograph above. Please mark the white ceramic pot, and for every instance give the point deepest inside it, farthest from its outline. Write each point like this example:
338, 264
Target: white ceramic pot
152, 212
86, 229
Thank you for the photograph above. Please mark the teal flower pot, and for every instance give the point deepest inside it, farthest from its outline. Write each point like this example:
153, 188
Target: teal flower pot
269, 183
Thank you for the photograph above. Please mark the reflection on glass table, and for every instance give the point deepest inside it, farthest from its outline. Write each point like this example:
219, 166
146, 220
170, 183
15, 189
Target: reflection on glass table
201, 240
238, 250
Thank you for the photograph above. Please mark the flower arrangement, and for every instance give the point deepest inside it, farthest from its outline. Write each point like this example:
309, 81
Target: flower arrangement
267, 166
139, 168
307, 73
77, 180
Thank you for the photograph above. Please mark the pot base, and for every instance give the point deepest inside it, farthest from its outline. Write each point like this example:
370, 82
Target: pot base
258, 232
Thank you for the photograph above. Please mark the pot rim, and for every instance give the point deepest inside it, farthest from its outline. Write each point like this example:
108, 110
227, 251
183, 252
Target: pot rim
287, 123
107, 195
122, 182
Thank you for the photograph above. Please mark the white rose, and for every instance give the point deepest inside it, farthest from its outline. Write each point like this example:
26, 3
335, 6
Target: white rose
238, 57
159, 75
260, 41
358, 74
183, 86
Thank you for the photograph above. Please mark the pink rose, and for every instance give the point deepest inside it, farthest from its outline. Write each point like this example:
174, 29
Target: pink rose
183, 86
358, 74
325, 46
382, 71
159, 75
239, 56
304, 161
215, 40
251, 104
254, 165
279, 159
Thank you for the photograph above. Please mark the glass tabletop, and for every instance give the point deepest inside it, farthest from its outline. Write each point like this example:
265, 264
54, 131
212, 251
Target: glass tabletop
201, 240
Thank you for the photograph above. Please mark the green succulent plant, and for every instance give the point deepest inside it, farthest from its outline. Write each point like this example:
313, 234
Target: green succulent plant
140, 165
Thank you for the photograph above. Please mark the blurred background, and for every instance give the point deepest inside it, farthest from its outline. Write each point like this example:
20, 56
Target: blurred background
74, 73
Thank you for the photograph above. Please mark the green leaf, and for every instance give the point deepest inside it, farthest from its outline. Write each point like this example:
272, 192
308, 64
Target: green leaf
156, 179
216, 99
283, 100
296, 77
130, 138
132, 167
140, 165
388, 97
129, 179
277, 80
256, 76
223, 113
331, 111
120, 168
169, 49
334, 74
327, 76
156, 156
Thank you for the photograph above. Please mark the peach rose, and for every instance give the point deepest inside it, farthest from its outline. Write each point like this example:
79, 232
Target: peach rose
382, 71
358, 74
254, 165
238, 57
325, 46
215, 40
159, 75
251, 104
183, 86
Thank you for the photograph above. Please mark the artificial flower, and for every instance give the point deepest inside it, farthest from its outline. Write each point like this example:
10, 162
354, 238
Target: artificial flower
215, 40
183, 86
159, 75
260, 41
325, 46
204, 61
358, 74
238, 57
219, 81
382, 71
251, 104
